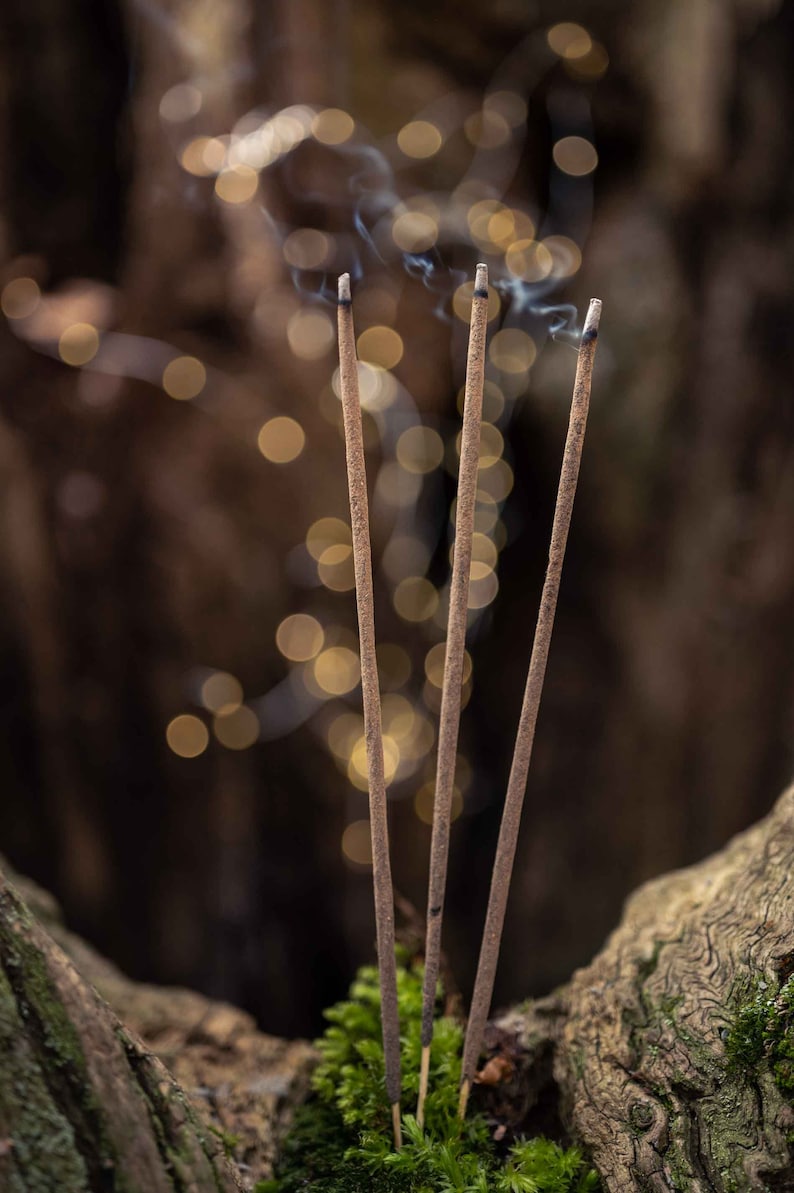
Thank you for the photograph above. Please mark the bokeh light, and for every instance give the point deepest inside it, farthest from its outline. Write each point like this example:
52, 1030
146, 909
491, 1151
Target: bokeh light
483, 587
187, 736
184, 378
300, 637
529, 260
221, 692
495, 482
493, 225
326, 533
420, 449
487, 129
380, 346
569, 40
333, 126
203, 156
425, 799
420, 139
342, 734
512, 350
336, 670
590, 66
310, 333
281, 440
575, 155
566, 256
415, 231
434, 665
237, 184
335, 568
180, 103
307, 248
357, 843
19, 298
415, 599
237, 729
78, 344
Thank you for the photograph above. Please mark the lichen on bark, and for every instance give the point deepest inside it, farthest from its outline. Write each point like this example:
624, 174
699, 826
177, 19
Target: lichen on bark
643, 1062
669, 1059
83, 1105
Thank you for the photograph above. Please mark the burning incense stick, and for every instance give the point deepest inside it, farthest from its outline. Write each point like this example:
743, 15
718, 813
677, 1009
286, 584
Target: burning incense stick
511, 815
453, 664
362, 561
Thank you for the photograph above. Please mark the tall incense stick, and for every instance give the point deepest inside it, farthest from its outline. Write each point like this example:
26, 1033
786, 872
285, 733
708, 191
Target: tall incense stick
362, 562
514, 799
453, 664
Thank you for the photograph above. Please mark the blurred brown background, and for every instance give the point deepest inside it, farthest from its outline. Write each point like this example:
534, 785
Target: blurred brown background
181, 182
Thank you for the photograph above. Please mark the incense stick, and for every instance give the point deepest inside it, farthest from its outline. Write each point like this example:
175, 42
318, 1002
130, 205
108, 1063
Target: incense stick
362, 562
514, 798
453, 664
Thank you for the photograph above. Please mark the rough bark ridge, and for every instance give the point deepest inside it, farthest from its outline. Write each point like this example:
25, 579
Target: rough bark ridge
83, 1105
239, 1085
639, 1036
633, 1053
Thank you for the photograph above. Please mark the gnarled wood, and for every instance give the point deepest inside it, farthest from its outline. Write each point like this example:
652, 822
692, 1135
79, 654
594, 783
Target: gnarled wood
639, 1035
242, 1084
630, 1054
84, 1105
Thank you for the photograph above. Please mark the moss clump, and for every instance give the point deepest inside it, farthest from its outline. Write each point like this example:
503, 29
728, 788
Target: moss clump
762, 1033
341, 1140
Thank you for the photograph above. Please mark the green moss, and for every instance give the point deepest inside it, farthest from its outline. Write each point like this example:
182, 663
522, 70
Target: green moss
229, 1142
44, 1154
185, 1145
341, 1140
53, 1038
762, 1033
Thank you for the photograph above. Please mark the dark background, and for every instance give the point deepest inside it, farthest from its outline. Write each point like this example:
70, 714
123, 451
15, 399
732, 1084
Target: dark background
145, 542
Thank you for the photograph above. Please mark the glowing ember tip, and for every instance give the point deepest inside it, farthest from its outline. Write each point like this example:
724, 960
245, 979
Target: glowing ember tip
344, 287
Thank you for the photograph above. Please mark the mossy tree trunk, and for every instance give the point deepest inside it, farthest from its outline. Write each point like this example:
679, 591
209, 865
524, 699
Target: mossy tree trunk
670, 1058
83, 1105
672, 1051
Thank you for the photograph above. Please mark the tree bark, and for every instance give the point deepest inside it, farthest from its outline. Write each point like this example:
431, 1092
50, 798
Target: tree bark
85, 1105
639, 1036
630, 1056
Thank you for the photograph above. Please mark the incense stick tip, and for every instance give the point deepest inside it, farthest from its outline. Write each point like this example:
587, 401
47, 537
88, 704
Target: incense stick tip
481, 281
590, 330
344, 288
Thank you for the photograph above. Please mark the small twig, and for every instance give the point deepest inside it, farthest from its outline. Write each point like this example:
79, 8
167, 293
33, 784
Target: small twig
362, 562
453, 665
514, 798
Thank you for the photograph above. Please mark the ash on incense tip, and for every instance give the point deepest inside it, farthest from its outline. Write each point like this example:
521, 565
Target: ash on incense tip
481, 281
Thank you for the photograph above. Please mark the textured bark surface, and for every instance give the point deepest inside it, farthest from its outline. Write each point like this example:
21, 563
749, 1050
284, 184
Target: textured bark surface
84, 1105
630, 1055
639, 1036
